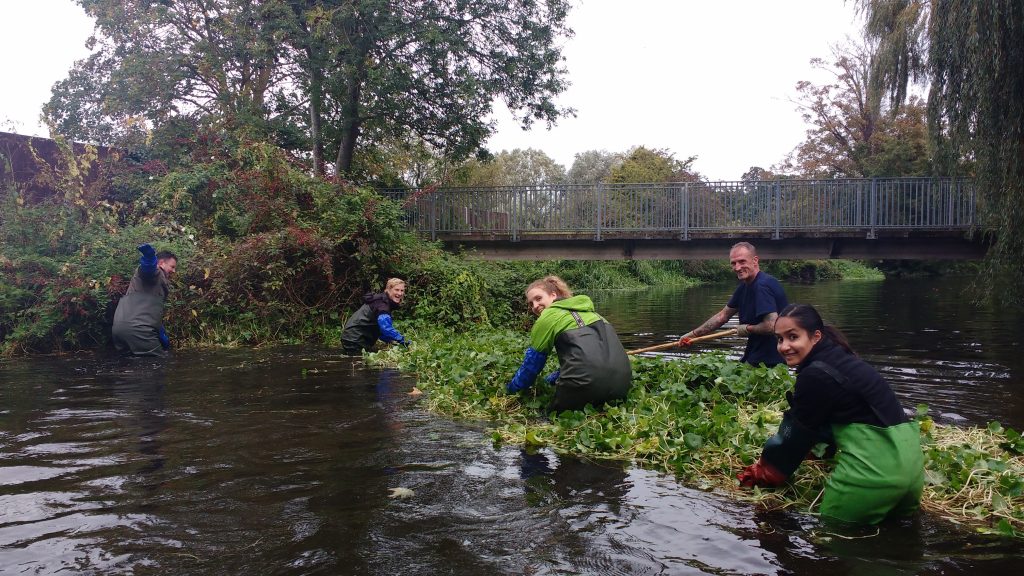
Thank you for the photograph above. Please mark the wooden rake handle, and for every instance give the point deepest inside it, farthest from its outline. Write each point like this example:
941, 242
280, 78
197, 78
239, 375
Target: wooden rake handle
675, 343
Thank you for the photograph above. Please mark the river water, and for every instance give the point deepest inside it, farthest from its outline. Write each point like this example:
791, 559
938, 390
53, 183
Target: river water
284, 461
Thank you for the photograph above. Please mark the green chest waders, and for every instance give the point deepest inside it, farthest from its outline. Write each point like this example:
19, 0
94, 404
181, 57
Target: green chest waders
879, 473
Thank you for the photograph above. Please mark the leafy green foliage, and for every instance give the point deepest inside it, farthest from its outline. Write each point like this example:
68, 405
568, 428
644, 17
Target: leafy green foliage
266, 253
809, 271
702, 418
645, 165
975, 73
510, 168
593, 166
976, 67
320, 76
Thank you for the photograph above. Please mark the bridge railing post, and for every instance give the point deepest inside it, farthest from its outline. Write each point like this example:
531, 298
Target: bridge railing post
515, 201
684, 210
973, 206
872, 209
953, 197
598, 201
433, 215
778, 211
858, 206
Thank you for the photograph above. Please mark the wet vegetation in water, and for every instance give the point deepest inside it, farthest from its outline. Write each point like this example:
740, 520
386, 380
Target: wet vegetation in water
703, 418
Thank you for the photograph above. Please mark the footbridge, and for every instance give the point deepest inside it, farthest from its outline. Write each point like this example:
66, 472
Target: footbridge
877, 218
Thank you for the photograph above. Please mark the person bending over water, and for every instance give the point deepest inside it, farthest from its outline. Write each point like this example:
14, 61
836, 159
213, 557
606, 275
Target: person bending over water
840, 399
372, 321
138, 326
593, 366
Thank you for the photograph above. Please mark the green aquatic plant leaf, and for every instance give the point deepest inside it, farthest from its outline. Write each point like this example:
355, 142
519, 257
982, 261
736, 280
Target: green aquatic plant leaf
702, 418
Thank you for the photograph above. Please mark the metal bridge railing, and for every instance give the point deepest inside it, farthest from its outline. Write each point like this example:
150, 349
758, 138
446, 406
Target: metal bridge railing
684, 208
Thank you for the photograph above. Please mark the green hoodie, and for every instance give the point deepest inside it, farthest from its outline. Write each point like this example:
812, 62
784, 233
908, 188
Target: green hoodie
593, 365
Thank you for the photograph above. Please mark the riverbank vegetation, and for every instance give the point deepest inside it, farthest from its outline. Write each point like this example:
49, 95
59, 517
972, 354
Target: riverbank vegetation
268, 253
702, 418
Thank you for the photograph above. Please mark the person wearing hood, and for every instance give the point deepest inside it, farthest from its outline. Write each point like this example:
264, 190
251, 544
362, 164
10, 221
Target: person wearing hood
372, 321
593, 366
841, 400
138, 326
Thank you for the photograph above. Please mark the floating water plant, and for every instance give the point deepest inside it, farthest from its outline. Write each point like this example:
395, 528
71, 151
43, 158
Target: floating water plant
702, 418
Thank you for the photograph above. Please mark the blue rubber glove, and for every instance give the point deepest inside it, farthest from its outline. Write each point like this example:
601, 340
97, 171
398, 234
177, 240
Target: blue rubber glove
164, 340
147, 262
532, 364
387, 330
553, 377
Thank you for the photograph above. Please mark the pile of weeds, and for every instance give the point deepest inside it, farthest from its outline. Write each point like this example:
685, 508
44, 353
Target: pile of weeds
702, 418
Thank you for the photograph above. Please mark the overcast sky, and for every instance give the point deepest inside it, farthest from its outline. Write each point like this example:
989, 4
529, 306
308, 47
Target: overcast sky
708, 78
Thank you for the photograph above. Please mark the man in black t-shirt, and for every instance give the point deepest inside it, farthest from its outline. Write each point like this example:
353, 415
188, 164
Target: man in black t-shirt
758, 299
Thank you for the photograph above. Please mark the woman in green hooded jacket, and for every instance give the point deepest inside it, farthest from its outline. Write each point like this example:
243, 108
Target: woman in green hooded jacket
841, 400
593, 366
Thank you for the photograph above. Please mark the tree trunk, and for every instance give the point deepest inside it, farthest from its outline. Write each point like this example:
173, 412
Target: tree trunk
316, 90
351, 124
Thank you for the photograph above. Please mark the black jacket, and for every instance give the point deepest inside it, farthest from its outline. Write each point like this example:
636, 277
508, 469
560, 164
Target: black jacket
862, 396
832, 386
362, 331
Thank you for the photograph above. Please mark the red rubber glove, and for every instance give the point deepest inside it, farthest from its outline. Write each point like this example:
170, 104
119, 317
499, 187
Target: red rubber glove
761, 473
684, 341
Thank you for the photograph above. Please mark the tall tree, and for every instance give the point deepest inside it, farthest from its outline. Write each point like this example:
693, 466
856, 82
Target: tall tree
854, 131
975, 68
330, 75
218, 60
435, 68
976, 103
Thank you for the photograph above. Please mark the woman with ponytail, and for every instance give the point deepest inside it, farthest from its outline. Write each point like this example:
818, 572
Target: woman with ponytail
593, 366
840, 399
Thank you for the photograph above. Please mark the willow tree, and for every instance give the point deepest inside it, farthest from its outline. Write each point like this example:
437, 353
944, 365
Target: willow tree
976, 65
975, 68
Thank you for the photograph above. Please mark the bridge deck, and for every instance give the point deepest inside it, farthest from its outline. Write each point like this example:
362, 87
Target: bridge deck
937, 246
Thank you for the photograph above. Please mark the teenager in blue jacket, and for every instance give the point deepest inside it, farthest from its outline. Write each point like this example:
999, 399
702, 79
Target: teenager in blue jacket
593, 366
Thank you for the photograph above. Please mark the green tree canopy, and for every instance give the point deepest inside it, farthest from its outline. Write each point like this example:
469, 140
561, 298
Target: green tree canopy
643, 164
518, 167
319, 76
593, 166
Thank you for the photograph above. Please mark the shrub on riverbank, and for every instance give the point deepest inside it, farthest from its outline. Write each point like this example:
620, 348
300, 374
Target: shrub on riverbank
267, 253
703, 418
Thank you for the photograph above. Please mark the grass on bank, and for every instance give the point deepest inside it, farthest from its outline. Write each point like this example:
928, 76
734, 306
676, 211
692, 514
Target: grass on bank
702, 418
